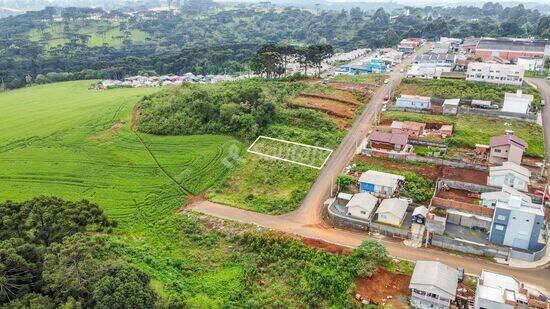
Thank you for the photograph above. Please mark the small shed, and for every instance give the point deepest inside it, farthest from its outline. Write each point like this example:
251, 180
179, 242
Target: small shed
419, 214
392, 211
362, 205
450, 106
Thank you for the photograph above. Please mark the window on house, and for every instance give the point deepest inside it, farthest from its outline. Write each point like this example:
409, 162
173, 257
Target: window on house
363, 212
499, 227
498, 150
501, 217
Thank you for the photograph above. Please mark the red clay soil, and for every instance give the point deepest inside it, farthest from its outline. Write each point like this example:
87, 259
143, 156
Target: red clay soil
463, 174
383, 284
319, 244
458, 195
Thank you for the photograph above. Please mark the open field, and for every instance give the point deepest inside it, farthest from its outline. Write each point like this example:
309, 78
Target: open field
470, 130
96, 33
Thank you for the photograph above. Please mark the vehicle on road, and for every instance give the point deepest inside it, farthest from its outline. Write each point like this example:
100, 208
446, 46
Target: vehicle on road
387, 97
386, 81
542, 103
384, 107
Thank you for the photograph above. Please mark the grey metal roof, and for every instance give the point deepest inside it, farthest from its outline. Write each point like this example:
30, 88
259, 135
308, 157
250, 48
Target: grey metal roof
513, 45
435, 273
434, 57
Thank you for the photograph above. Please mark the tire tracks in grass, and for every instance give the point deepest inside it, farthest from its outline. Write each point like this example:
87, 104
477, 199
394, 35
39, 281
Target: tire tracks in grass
135, 112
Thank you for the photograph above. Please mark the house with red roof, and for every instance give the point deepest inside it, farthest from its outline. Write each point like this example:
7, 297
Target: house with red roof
505, 148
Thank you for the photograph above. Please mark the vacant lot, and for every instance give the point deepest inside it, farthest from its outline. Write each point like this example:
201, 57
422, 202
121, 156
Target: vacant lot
471, 130
449, 89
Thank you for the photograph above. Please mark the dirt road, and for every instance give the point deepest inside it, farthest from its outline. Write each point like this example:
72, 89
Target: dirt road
294, 225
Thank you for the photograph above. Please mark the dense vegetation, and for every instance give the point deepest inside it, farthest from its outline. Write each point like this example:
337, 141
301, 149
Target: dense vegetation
463, 89
54, 252
91, 43
470, 130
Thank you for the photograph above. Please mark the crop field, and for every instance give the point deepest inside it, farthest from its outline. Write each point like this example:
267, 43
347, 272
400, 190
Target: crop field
470, 130
296, 153
65, 140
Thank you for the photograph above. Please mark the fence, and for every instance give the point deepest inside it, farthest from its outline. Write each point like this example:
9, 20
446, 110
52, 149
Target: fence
446, 162
472, 187
469, 247
420, 142
496, 113
470, 208
527, 256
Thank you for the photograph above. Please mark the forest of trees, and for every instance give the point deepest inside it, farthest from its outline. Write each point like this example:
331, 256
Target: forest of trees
205, 39
56, 253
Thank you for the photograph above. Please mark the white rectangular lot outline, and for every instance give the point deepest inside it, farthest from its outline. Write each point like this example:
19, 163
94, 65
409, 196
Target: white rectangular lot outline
293, 143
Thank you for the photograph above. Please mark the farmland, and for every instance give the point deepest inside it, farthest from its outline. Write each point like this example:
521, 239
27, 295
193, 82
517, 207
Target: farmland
470, 130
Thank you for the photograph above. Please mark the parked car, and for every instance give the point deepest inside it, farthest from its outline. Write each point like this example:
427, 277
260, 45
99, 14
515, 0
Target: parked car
386, 97
542, 103
386, 81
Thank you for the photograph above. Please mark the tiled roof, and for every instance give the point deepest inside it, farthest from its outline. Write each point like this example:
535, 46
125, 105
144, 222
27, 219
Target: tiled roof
391, 138
513, 45
508, 139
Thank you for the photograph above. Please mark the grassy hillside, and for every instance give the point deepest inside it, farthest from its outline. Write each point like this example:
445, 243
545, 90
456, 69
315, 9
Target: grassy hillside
65, 140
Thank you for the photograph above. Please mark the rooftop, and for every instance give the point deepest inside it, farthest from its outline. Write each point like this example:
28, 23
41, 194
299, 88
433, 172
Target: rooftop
511, 166
507, 139
363, 200
451, 102
498, 288
434, 57
513, 45
428, 273
395, 206
414, 97
380, 178
391, 138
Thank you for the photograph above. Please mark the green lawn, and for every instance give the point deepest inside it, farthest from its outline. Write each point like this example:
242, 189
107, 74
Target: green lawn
470, 130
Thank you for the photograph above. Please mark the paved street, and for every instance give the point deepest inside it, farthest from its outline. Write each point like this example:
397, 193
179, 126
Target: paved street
544, 87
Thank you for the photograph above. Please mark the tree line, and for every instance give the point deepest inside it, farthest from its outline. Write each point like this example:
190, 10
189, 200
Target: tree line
272, 60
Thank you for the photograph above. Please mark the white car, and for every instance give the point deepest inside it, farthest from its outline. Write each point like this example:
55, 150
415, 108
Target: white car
386, 81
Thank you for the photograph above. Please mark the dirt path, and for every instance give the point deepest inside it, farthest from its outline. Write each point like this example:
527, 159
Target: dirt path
295, 225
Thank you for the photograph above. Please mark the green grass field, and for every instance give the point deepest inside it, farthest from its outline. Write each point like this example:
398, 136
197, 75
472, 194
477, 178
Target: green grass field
470, 130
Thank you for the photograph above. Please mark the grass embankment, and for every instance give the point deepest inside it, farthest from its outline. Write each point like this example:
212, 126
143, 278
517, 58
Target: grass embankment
361, 79
470, 130
467, 90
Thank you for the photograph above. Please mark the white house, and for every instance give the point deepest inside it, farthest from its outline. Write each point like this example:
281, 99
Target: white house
490, 199
496, 73
509, 174
362, 205
392, 211
450, 106
499, 292
380, 184
433, 285
518, 102
531, 64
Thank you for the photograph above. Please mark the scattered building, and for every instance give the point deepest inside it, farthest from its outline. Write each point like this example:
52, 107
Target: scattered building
417, 71
517, 223
410, 128
499, 291
518, 102
419, 214
392, 211
496, 73
512, 49
445, 130
450, 106
435, 60
374, 66
165, 80
433, 285
509, 174
361, 205
413, 101
388, 141
469, 45
380, 184
506, 147
482, 104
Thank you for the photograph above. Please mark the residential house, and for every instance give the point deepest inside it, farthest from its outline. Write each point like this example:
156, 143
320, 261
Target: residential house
380, 184
531, 64
352, 70
435, 60
490, 199
441, 47
518, 102
419, 214
506, 147
392, 211
412, 42
450, 106
388, 141
362, 205
509, 174
433, 285
499, 291
427, 72
413, 101
445, 130
405, 49
496, 73
517, 224
469, 45
512, 49
410, 128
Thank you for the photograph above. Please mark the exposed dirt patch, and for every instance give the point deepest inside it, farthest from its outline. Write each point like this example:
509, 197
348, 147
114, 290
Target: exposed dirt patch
463, 174
459, 195
385, 288
331, 107
111, 132
319, 244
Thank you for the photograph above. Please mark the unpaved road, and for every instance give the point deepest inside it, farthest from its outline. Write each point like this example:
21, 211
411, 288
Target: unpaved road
294, 225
